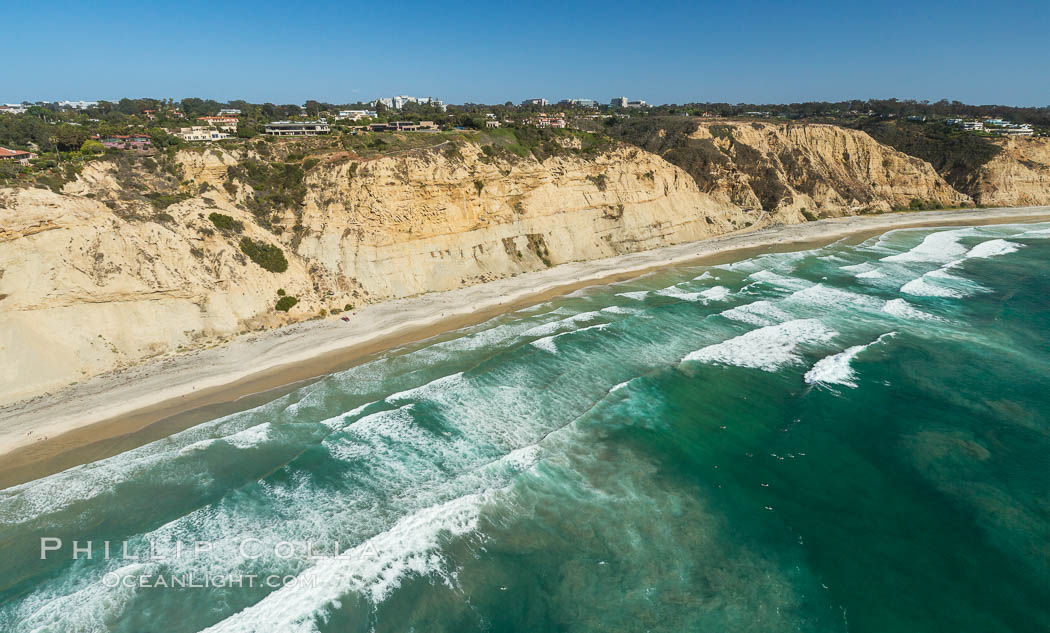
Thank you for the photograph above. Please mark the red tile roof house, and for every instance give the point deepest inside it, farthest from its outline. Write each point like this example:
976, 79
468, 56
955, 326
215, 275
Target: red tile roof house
16, 154
139, 142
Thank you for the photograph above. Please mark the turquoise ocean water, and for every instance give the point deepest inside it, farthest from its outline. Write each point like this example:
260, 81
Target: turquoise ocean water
853, 438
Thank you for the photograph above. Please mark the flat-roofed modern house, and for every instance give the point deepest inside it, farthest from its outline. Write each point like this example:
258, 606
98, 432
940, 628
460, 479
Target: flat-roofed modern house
297, 128
229, 112
21, 156
200, 133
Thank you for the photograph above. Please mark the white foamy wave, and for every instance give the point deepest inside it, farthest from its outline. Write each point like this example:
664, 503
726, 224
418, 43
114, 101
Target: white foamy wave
546, 329
774, 279
942, 246
716, 293
620, 386
922, 288
707, 275
619, 310
372, 569
993, 248
423, 391
823, 296
904, 310
871, 274
677, 293
858, 268
637, 295
837, 369
768, 348
546, 344
757, 313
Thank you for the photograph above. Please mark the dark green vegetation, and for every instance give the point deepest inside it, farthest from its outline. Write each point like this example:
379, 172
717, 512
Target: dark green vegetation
525, 142
668, 137
165, 200
277, 186
266, 255
285, 303
705, 161
225, 223
955, 154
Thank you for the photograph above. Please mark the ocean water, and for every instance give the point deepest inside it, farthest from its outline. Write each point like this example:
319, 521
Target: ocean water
853, 438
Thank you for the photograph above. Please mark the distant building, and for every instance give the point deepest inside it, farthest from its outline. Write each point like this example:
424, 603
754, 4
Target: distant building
534, 102
229, 112
297, 128
20, 156
136, 142
622, 102
77, 105
200, 133
972, 126
580, 103
401, 101
13, 108
150, 114
400, 126
492, 123
356, 115
549, 121
1023, 129
225, 123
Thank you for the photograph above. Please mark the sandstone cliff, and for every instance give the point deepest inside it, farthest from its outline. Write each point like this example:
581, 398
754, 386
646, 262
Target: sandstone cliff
1018, 176
794, 171
126, 264
94, 279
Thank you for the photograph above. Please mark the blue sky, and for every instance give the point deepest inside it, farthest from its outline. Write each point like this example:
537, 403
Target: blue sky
487, 52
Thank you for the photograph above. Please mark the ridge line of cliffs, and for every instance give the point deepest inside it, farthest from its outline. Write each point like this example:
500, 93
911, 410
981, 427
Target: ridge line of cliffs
140, 257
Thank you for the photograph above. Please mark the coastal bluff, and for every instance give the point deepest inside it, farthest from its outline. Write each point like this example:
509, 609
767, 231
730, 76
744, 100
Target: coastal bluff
128, 262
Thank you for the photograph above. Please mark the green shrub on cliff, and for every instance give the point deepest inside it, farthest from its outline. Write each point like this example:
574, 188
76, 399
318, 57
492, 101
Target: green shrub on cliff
285, 304
266, 255
225, 223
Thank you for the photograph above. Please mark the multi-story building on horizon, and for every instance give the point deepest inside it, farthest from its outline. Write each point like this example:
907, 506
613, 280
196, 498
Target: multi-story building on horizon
534, 102
582, 103
356, 115
400, 101
622, 102
77, 105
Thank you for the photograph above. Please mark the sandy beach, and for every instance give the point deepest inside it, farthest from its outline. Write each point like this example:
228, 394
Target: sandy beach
117, 411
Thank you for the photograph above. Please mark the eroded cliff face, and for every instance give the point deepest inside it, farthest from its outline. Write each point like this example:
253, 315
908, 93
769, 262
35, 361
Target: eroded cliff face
428, 221
107, 273
802, 171
1018, 176
95, 279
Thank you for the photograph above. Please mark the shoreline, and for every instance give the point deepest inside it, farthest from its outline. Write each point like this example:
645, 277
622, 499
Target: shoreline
119, 410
